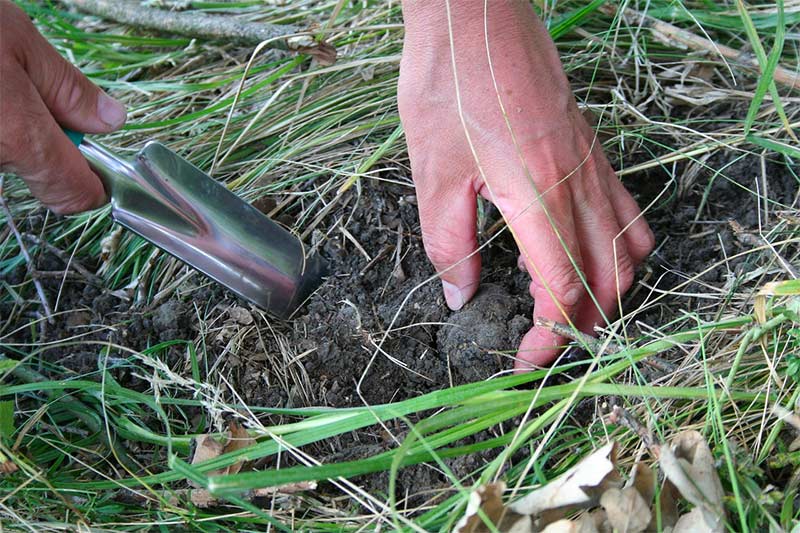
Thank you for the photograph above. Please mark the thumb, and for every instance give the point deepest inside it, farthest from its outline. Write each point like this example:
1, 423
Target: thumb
448, 219
74, 101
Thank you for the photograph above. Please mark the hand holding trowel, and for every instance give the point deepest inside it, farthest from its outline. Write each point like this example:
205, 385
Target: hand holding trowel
174, 205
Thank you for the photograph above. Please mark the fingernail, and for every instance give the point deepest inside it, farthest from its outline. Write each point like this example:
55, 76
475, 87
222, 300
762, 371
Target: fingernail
110, 111
453, 296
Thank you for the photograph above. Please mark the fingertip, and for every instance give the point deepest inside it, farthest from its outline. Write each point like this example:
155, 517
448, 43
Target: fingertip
455, 296
110, 111
539, 348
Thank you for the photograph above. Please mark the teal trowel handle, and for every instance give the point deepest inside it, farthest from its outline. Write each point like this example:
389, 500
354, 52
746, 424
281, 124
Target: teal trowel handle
74, 136
110, 168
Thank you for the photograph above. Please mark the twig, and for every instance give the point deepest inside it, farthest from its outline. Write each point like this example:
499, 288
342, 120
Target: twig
203, 498
677, 36
569, 332
596, 345
203, 26
622, 417
31, 270
65, 257
756, 241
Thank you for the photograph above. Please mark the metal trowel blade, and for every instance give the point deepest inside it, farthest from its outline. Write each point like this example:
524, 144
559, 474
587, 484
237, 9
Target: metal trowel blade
179, 208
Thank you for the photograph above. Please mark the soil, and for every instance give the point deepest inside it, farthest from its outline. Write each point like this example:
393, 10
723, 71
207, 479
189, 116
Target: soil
338, 340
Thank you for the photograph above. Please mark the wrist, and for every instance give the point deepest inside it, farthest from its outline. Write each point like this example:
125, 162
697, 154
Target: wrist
523, 56
427, 21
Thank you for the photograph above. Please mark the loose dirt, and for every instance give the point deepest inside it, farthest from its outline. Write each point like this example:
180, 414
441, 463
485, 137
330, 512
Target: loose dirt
378, 330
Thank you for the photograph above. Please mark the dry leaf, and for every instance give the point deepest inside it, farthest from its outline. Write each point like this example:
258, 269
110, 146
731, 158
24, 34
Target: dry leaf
562, 526
579, 486
206, 447
489, 499
109, 246
585, 524
240, 439
209, 447
689, 465
668, 504
643, 479
626, 509
7, 466
693, 522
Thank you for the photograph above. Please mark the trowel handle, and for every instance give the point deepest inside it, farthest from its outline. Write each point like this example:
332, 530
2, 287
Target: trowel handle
74, 136
110, 168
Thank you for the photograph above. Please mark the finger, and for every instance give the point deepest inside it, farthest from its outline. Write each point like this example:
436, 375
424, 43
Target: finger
639, 238
540, 347
609, 266
74, 101
545, 233
35, 147
448, 220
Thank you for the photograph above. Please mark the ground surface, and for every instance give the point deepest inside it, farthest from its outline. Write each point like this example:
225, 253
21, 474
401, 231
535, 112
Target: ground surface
385, 280
288, 135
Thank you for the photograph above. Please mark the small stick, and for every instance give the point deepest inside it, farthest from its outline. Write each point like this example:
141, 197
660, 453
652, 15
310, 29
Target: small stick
622, 417
676, 35
580, 337
31, 270
65, 257
189, 24
750, 239
203, 498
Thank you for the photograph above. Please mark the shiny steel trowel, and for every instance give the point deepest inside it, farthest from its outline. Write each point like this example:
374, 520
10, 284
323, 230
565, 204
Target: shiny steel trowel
185, 212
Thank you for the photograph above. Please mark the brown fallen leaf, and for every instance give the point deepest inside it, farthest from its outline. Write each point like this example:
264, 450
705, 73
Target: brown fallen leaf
210, 446
693, 522
626, 509
489, 499
7, 466
643, 479
580, 486
207, 447
689, 465
585, 524
668, 504
239, 440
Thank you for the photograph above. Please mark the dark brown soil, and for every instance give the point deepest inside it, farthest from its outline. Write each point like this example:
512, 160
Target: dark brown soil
385, 282
381, 285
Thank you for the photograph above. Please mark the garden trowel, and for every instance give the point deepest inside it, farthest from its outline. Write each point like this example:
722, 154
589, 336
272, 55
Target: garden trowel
174, 205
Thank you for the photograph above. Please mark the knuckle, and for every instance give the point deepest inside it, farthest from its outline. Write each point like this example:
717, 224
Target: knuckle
564, 282
441, 251
621, 273
69, 92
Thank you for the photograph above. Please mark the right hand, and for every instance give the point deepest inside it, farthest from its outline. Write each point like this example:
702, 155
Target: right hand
584, 221
39, 93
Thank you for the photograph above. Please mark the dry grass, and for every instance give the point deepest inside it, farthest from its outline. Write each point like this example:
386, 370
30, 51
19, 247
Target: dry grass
677, 122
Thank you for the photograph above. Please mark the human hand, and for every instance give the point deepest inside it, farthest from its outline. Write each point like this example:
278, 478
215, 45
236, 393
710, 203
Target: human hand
583, 222
39, 93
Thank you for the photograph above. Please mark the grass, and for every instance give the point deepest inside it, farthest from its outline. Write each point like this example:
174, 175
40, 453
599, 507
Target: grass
92, 448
